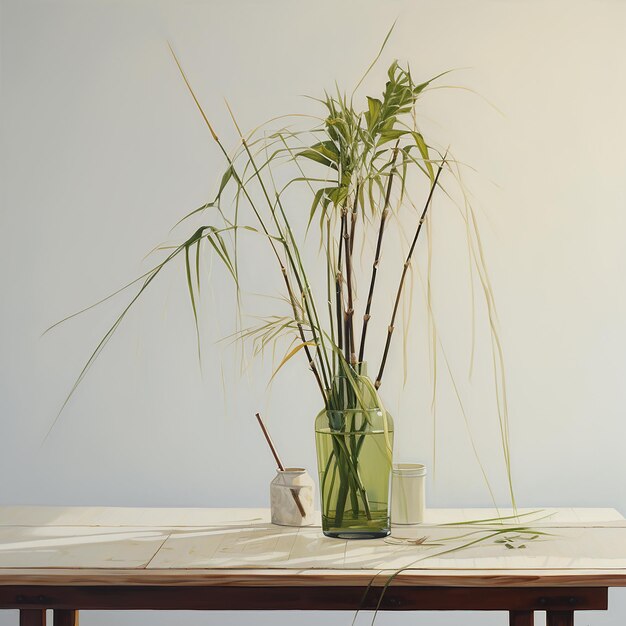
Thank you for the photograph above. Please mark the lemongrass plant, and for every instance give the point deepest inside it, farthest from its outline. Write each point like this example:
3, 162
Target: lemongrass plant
356, 161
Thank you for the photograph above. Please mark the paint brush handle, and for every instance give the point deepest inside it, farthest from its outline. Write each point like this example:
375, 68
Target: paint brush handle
281, 467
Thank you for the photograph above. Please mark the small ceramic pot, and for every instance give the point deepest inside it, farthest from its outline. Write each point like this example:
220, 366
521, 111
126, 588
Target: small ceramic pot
291, 496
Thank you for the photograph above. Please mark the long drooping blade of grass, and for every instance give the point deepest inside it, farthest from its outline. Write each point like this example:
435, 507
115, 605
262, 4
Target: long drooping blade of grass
288, 356
95, 304
94, 355
466, 545
468, 236
457, 394
467, 426
476, 249
204, 232
477, 260
373, 63
528, 532
498, 369
190, 289
499, 519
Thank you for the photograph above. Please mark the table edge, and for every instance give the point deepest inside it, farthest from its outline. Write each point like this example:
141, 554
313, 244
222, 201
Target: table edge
296, 578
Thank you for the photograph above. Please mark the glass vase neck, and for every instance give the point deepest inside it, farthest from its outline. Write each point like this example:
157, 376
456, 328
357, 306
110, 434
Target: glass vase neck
361, 368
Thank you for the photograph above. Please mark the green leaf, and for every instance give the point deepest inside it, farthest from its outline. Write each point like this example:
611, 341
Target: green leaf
217, 242
390, 135
392, 70
338, 195
423, 148
419, 88
371, 117
198, 210
198, 264
190, 283
319, 194
290, 354
325, 152
376, 58
328, 149
228, 174
316, 156
191, 296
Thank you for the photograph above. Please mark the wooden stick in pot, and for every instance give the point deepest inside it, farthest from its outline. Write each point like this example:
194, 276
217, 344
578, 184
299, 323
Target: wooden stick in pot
281, 467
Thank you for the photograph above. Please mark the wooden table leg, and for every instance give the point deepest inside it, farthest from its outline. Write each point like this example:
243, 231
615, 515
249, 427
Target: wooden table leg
32, 617
559, 618
521, 618
65, 617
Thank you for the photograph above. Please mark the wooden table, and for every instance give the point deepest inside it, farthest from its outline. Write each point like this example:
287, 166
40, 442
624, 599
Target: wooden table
70, 559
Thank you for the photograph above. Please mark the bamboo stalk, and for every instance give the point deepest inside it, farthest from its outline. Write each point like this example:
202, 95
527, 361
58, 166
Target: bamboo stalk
349, 312
307, 351
339, 294
339, 307
329, 297
353, 216
405, 268
381, 230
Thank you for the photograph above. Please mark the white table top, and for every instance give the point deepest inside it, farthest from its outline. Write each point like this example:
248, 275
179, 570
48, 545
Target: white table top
102, 545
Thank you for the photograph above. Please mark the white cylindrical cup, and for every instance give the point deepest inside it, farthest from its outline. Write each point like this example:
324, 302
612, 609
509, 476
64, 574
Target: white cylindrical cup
408, 493
291, 496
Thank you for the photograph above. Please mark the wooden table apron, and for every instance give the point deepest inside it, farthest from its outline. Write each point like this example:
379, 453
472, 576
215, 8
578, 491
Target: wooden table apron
36, 571
521, 602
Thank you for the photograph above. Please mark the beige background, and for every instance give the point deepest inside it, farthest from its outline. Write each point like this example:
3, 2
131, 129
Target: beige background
102, 151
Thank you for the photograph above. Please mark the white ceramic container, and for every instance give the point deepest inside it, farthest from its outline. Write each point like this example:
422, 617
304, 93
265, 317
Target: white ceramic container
292, 497
408, 493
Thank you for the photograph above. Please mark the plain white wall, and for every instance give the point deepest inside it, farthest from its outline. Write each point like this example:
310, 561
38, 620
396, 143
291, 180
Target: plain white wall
102, 151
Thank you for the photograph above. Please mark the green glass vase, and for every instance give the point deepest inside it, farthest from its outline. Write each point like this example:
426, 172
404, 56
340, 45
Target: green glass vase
354, 452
